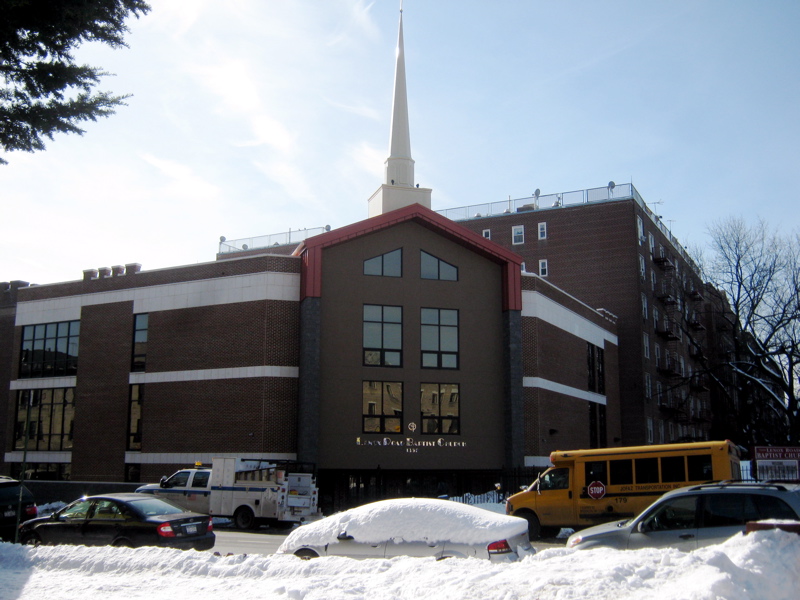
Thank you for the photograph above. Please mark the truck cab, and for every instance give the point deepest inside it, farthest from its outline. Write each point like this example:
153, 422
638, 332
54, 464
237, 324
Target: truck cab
189, 488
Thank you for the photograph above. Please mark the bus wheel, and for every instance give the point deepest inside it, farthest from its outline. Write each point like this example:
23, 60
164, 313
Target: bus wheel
549, 532
244, 518
534, 528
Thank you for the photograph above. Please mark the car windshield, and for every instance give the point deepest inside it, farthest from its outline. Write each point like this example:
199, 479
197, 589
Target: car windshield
151, 507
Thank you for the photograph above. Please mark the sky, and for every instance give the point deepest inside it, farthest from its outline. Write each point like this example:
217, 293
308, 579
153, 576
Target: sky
759, 566
256, 117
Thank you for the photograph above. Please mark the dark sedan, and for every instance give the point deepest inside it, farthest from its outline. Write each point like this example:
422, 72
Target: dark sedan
130, 520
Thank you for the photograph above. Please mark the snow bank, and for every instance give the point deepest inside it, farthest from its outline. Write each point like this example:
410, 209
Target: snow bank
414, 519
761, 565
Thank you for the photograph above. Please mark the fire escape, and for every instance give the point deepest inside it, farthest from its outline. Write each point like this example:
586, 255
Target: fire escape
686, 400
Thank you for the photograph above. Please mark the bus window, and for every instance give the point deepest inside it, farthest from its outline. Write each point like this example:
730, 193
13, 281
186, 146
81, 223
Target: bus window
700, 467
596, 471
673, 469
621, 472
646, 470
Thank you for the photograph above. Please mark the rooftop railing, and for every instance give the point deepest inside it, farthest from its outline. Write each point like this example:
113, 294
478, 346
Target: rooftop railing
268, 241
536, 202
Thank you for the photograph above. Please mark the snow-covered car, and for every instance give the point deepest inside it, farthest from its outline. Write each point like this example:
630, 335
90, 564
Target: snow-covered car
695, 516
413, 527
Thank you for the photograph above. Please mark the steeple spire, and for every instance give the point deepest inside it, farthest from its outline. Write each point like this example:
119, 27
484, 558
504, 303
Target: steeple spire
399, 189
400, 165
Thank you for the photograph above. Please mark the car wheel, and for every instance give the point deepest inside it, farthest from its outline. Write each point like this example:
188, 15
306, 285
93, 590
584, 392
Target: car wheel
31, 539
244, 518
534, 528
306, 554
122, 543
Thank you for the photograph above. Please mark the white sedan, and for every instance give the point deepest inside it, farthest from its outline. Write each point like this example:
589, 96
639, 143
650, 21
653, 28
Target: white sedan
413, 527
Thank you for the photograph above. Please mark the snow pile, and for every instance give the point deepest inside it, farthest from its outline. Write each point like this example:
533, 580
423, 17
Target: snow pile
413, 519
761, 565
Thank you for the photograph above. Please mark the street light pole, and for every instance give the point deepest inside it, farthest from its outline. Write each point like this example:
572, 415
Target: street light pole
24, 462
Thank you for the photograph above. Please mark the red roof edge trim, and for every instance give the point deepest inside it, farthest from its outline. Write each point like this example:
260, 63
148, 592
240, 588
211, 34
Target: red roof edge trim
311, 249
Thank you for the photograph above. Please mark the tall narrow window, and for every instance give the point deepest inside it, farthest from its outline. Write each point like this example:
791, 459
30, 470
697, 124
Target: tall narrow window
140, 327
640, 229
49, 350
385, 265
543, 272
642, 269
383, 336
644, 305
646, 345
518, 234
439, 403
439, 338
596, 367
382, 407
135, 417
435, 268
542, 231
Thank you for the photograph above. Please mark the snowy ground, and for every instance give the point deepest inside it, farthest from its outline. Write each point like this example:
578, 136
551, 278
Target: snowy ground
762, 565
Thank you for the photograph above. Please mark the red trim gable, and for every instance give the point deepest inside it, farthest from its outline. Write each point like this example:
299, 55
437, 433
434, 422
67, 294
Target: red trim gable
311, 249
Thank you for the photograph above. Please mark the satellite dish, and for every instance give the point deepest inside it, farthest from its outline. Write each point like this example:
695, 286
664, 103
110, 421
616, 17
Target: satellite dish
536, 193
244, 246
222, 238
611, 185
327, 227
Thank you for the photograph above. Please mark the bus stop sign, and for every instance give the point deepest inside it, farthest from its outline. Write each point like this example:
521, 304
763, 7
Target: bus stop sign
596, 490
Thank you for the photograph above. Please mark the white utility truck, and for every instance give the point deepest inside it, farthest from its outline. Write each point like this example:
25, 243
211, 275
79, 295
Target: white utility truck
248, 491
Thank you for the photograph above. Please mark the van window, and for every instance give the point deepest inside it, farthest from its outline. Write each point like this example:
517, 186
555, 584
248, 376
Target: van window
596, 471
621, 472
673, 469
646, 470
699, 467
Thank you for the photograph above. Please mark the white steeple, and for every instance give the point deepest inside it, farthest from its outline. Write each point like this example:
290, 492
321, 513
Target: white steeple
399, 189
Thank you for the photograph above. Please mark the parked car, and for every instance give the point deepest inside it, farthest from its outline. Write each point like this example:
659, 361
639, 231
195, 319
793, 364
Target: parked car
9, 501
130, 520
413, 527
696, 516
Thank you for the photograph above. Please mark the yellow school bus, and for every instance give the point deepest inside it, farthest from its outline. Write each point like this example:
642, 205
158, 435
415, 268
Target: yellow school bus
588, 487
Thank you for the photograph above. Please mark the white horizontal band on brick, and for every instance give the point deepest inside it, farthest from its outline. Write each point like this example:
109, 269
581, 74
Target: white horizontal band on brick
541, 307
188, 459
208, 374
173, 296
552, 386
38, 456
43, 383
538, 461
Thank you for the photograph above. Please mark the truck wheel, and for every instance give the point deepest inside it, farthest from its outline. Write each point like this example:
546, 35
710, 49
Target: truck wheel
534, 528
244, 518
